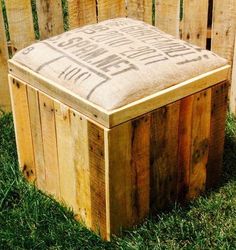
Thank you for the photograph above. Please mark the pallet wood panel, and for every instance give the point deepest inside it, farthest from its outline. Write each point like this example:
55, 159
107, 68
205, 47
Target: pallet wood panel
97, 179
20, 21
167, 16
37, 140
47, 114
5, 102
195, 28
217, 133
140, 9
20, 110
199, 143
50, 18
65, 155
80, 152
164, 156
224, 28
81, 12
111, 9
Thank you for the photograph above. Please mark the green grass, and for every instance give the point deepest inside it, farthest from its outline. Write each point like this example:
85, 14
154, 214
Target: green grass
30, 220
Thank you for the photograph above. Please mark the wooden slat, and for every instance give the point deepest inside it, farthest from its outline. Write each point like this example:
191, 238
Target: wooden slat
20, 21
37, 140
97, 179
140, 9
195, 22
22, 128
184, 151
167, 16
47, 114
224, 27
200, 142
5, 103
232, 96
120, 186
81, 12
50, 18
80, 151
164, 156
217, 134
65, 155
111, 9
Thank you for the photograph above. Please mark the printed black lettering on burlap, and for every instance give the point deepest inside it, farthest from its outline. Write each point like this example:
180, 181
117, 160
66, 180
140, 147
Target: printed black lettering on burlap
118, 61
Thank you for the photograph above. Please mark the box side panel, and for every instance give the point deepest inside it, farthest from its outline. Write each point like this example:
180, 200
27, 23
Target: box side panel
63, 152
165, 156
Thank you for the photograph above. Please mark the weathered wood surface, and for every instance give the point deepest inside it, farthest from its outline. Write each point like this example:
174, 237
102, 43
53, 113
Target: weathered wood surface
20, 108
195, 22
50, 18
5, 102
167, 16
20, 22
111, 9
140, 9
81, 12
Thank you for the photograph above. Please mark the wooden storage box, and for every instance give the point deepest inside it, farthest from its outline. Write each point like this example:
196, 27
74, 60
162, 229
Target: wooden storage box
114, 167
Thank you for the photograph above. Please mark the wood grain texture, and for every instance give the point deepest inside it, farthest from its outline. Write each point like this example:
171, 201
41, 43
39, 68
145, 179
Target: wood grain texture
195, 22
22, 128
200, 143
108, 9
97, 179
219, 95
20, 21
37, 140
140, 9
81, 12
232, 93
47, 114
5, 102
50, 18
167, 16
164, 156
80, 152
66, 167
184, 147
223, 28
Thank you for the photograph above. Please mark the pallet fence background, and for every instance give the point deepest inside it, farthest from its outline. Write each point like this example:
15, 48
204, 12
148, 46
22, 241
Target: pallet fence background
210, 24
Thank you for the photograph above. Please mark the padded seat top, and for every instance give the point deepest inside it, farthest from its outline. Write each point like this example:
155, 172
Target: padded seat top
116, 62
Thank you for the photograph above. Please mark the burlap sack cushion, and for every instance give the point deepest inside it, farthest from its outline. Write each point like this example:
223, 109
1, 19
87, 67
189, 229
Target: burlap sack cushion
118, 61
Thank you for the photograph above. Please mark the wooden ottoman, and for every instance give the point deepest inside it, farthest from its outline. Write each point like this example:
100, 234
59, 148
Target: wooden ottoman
119, 119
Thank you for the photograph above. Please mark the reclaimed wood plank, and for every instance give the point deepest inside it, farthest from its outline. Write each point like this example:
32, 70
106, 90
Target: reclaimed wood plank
108, 9
200, 142
195, 28
164, 156
81, 12
65, 155
80, 149
20, 22
5, 102
37, 140
20, 110
97, 179
184, 147
167, 16
47, 114
224, 28
232, 92
140, 9
217, 133
50, 18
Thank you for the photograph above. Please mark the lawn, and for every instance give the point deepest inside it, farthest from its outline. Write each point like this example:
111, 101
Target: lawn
30, 220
